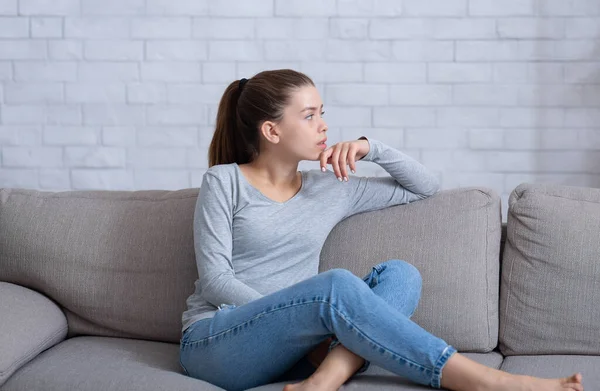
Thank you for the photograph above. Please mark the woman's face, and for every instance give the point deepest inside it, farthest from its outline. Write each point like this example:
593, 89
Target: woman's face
303, 126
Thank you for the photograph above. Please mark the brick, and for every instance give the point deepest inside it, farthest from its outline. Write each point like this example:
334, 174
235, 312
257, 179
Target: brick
14, 27
434, 8
177, 7
108, 71
54, 179
358, 94
114, 50
223, 28
95, 179
249, 69
428, 51
157, 157
113, 114
467, 116
436, 138
531, 117
46, 27
22, 50
550, 95
5, 71
581, 72
459, 72
65, 49
485, 95
349, 28
358, 50
95, 93
578, 117
23, 114
582, 28
392, 72
20, 135
509, 50
177, 51
101, 157
486, 138
343, 72
195, 93
96, 27
291, 51
304, 8
167, 137
147, 93
363, 8
161, 179
420, 95
112, 7
49, 7
119, 135
234, 51
569, 8
70, 135
161, 27
63, 115
176, 115
404, 116
531, 28
32, 156
22, 178
347, 116
218, 72
29, 71
504, 8
33, 93
512, 72
233, 8
9, 7
171, 71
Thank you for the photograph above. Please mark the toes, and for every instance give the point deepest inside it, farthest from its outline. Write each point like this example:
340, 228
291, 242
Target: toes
573, 387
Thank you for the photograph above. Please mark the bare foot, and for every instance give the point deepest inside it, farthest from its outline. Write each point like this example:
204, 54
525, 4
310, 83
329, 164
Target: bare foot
530, 383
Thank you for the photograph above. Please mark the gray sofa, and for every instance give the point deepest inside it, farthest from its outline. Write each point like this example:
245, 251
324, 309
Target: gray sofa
93, 283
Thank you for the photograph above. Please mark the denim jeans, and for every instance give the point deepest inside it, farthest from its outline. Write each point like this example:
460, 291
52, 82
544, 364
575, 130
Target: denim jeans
260, 342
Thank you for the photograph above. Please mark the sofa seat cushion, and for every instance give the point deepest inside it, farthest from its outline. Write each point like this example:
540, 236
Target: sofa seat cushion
106, 364
378, 379
558, 365
550, 282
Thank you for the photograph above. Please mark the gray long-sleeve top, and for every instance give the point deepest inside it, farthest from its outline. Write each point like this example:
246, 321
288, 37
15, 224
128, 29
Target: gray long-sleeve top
248, 245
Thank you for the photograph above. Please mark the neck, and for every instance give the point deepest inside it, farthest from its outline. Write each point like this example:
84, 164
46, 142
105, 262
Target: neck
275, 172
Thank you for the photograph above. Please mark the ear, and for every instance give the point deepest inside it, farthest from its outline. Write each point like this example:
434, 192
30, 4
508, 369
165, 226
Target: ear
270, 131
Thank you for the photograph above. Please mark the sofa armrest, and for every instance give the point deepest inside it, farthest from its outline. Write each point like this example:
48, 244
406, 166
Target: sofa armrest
29, 324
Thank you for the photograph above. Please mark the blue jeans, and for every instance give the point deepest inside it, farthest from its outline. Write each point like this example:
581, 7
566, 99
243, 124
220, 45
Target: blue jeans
261, 341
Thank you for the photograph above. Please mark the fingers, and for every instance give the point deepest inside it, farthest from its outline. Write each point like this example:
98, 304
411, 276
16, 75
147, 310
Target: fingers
323, 159
342, 162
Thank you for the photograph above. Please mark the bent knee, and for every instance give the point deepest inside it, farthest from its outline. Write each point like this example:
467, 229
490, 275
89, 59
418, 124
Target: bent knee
343, 276
406, 270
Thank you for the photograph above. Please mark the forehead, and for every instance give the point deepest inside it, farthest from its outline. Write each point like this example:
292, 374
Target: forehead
307, 96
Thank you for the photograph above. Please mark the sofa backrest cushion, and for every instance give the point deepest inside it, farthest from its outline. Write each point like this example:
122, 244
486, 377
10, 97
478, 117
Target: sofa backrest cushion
453, 239
550, 282
119, 263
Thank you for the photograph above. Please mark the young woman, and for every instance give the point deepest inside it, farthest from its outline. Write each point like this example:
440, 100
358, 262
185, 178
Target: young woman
260, 307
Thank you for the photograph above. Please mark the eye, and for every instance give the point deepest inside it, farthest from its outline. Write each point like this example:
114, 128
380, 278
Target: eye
310, 115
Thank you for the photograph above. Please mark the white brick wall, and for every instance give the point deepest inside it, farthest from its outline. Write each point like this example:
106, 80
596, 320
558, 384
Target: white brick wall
122, 94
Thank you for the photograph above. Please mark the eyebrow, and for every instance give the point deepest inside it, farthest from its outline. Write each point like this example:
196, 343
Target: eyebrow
311, 108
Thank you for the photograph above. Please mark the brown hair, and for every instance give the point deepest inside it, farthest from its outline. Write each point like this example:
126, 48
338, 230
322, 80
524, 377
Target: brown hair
240, 115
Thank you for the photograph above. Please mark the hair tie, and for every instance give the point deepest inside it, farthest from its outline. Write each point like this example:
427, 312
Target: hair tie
241, 84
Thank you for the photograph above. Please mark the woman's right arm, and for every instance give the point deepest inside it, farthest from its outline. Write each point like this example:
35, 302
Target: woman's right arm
213, 243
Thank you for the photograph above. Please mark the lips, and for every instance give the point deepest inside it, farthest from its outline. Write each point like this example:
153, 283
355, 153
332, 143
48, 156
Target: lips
322, 142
